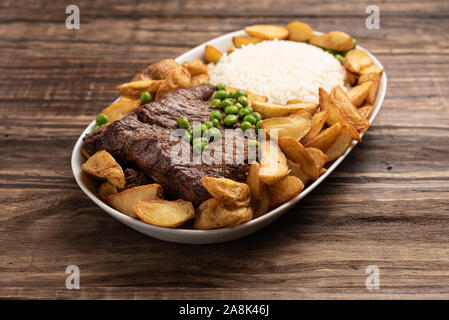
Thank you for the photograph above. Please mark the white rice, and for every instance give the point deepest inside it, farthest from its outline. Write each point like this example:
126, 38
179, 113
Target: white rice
280, 70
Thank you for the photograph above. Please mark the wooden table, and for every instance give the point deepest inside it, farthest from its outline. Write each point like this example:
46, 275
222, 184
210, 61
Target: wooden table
386, 205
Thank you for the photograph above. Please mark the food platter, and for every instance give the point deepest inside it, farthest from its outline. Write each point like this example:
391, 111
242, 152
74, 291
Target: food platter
216, 235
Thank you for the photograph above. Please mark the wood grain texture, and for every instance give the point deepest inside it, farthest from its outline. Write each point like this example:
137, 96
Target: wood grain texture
386, 205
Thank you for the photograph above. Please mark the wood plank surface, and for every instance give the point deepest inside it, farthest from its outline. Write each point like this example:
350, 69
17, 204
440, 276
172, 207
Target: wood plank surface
386, 205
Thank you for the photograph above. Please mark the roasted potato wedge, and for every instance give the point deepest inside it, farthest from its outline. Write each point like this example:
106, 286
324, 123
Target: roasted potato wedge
195, 67
350, 111
295, 152
336, 114
105, 190
260, 201
177, 79
365, 111
211, 215
271, 110
295, 101
296, 126
326, 137
163, 213
252, 97
358, 94
318, 156
284, 190
125, 200
199, 79
267, 32
371, 69
335, 40
135, 88
299, 31
228, 192
318, 121
117, 110
230, 50
273, 166
157, 71
212, 54
240, 41
356, 60
371, 97
102, 165
351, 78
295, 170
340, 145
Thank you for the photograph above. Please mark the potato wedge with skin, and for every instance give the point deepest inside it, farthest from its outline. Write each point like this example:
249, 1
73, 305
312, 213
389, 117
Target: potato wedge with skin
318, 156
371, 69
296, 152
135, 88
273, 166
299, 31
356, 60
163, 213
335, 40
125, 200
318, 121
177, 79
228, 192
240, 41
105, 190
325, 139
372, 94
296, 125
260, 201
267, 32
358, 94
294, 101
157, 71
351, 78
340, 145
117, 110
365, 111
252, 97
212, 54
336, 114
284, 190
211, 215
350, 111
295, 170
196, 67
199, 79
102, 165
271, 110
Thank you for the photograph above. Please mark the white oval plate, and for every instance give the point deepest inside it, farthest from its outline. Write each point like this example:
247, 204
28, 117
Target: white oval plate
218, 235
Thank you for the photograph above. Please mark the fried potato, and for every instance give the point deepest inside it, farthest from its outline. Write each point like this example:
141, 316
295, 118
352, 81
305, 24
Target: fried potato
299, 31
273, 166
211, 215
351, 78
240, 41
157, 71
105, 190
230, 50
260, 201
371, 97
271, 110
295, 152
336, 114
177, 79
295, 170
163, 213
325, 139
228, 192
318, 156
284, 190
195, 67
212, 54
267, 32
135, 88
117, 110
199, 79
340, 145
318, 121
335, 40
350, 111
294, 101
365, 111
356, 60
124, 201
358, 94
296, 126
371, 69
252, 97
102, 165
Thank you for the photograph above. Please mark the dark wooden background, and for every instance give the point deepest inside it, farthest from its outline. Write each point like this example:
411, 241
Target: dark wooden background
386, 205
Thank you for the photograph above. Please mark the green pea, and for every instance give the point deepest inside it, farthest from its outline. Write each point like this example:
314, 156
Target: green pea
209, 124
259, 124
257, 115
145, 97
183, 123
231, 94
250, 108
340, 58
96, 127
239, 105
216, 123
199, 144
101, 118
226, 103
241, 93
230, 120
231, 110
187, 137
244, 112
354, 41
205, 82
243, 100
245, 126
215, 115
253, 143
199, 130
221, 94
200, 140
214, 104
214, 134
220, 86
249, 118
197, 148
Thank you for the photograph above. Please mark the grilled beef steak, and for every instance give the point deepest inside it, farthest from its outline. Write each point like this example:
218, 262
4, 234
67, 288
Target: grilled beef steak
142, 139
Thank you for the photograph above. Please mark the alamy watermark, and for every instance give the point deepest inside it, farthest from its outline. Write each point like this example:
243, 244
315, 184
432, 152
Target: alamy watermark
373, 20
372, 282
72, 282
73, 20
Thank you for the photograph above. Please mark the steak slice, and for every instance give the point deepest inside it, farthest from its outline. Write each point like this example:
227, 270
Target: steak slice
143, 139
